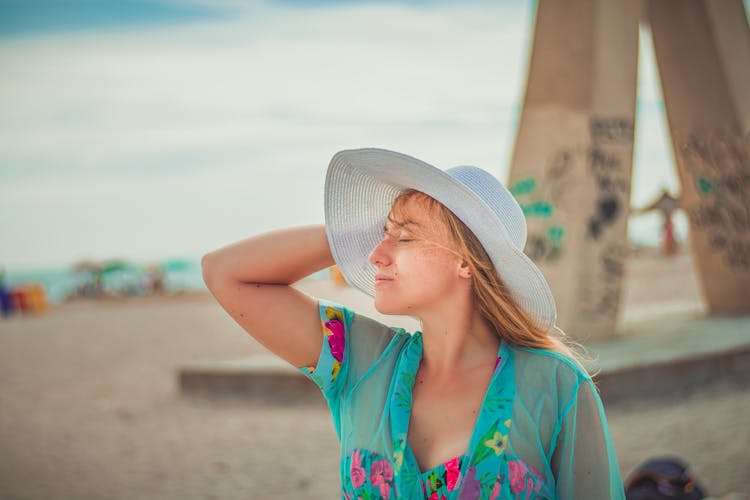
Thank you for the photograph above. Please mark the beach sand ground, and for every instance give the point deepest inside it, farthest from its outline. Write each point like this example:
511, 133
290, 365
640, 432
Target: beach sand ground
90, 408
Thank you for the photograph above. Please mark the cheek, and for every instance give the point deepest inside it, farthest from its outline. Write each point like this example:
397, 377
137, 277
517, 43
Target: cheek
429, 269
422, 278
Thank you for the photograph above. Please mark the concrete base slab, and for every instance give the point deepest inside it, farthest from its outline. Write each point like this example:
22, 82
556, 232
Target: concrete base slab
670, 355
653, 357
264, 378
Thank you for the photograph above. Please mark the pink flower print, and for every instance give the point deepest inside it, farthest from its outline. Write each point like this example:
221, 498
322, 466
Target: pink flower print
517, 476
452, 473
336, 340
381, 474
497, 362
435, 496
356, 472
533, 480
495, 490
529, 487
523, 477
498, 487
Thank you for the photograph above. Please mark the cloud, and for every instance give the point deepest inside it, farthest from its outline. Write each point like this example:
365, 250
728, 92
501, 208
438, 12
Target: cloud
104, 101
221, 127
207, 121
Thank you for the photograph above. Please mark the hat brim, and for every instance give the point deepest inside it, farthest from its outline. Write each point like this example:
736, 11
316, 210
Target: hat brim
360, 187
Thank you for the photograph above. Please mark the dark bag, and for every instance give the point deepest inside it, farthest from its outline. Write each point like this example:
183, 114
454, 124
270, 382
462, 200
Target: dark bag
662, 478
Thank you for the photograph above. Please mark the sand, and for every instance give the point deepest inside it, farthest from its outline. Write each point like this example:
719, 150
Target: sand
89, 407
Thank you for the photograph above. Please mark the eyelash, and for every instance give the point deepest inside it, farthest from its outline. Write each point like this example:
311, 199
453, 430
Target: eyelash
398, 239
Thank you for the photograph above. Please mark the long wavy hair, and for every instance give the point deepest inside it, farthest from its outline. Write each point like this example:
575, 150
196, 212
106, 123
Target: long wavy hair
490, 294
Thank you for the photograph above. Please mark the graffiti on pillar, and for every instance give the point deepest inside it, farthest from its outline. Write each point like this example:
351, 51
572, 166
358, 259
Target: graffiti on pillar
558, 174
718, 164
537, 208
544, 245
612, 179
600, 295
541, 198
616, 129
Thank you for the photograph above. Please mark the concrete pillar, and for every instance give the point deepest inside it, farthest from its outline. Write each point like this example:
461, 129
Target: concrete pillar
703, 54
572, 160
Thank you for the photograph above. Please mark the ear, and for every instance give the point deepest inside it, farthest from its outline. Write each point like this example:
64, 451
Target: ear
464, 271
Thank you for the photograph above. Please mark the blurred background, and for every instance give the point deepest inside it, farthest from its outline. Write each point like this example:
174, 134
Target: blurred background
157, 130
135, 136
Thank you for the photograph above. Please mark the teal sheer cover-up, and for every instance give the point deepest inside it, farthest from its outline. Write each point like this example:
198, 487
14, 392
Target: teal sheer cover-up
541, 431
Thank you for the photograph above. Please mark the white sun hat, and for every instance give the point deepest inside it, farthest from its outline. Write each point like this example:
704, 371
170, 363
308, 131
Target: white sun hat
361, 185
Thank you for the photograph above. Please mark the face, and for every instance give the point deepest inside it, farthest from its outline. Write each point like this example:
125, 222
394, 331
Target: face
418, 268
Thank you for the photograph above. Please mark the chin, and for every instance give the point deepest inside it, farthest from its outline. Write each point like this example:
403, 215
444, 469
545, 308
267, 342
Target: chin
382, 310
392, 308
384, 307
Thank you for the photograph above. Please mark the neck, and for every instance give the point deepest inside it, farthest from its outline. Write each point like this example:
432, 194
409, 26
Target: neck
456, 340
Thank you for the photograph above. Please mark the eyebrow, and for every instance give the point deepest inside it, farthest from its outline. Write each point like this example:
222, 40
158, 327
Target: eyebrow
401, 224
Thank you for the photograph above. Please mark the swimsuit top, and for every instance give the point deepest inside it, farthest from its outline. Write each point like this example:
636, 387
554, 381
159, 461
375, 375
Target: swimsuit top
541, 431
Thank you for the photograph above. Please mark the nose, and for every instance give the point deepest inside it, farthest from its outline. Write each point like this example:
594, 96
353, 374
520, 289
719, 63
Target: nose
379, 256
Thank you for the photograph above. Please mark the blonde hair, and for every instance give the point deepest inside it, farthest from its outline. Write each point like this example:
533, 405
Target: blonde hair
491, 296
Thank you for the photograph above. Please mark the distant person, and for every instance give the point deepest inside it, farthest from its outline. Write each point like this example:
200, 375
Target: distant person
487, 400
6, 298
155, 280
669, 244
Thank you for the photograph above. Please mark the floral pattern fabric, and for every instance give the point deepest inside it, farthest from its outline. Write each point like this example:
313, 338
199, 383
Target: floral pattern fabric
332, 322
489, 469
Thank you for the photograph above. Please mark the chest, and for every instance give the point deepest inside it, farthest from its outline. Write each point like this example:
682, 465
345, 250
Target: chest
443, 417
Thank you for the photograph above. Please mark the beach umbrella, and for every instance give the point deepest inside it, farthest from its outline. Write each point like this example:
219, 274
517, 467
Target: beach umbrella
89, 266
176, 265
89, 276
119, 265
124, 278
664, 203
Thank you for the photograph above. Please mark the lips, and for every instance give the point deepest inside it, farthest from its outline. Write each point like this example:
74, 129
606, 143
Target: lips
381, 278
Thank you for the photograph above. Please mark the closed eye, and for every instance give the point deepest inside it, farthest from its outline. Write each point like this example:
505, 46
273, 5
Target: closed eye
401, 238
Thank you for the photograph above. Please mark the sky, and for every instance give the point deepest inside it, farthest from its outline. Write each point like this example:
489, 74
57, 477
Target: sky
159, 129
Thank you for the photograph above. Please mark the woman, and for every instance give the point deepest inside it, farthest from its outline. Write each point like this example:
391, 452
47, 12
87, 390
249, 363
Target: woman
486, 400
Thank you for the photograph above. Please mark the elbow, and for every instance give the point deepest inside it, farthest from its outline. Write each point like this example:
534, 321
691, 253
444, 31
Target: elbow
207, 269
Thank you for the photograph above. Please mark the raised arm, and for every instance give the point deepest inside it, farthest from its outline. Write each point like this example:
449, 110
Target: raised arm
251, 280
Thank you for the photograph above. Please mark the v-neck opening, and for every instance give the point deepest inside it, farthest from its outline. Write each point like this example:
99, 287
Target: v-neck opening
438, 466
472, 438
